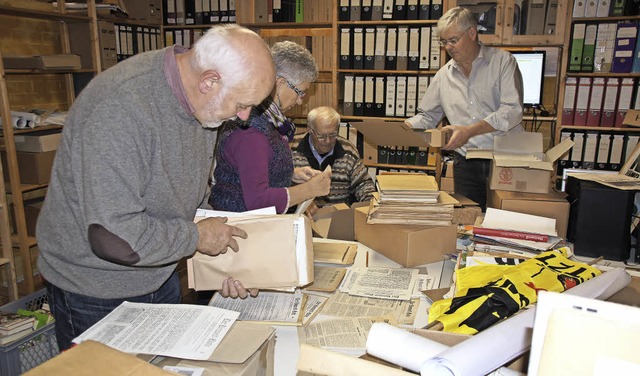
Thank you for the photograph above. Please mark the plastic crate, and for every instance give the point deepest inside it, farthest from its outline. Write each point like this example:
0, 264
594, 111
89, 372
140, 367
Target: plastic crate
28, 352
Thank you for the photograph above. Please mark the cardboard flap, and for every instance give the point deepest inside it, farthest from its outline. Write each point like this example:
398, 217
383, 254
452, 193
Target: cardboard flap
558, 151
518, 143
535, 165
479, 153
241, 342
380, 132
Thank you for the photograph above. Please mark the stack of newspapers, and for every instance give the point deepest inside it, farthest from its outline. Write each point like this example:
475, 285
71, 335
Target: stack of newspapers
410, 198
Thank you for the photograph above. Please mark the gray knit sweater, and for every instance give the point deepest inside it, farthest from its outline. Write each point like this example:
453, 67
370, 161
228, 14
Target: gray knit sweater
134, 162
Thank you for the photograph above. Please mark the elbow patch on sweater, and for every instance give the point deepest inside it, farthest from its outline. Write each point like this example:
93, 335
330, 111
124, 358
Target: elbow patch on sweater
110, 247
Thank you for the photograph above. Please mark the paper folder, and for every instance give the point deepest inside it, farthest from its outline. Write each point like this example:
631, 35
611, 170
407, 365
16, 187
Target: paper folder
277, 254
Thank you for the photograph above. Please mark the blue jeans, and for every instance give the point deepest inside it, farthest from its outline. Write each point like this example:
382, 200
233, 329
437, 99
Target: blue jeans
470, 178
75, 313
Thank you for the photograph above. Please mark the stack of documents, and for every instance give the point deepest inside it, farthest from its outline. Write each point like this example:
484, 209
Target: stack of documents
517, 230
412, 199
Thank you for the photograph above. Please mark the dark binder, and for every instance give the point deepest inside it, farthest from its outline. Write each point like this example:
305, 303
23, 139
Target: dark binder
412, 155
414, 49
366, 10
412, 9
383, 154
358, 96
376, 10
369, 48
400, 10
436, 9
392, 35
393, 156
402, 155
189, 12
421, 158
344, 10
423, 11
369, 94
345, 48
355, 10
379, 96
357, 48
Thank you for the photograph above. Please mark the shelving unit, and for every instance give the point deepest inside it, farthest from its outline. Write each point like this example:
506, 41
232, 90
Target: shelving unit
55, 26
383, 76
605, 141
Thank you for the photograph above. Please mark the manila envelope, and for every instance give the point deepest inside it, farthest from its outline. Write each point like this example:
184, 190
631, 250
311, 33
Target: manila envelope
277, 254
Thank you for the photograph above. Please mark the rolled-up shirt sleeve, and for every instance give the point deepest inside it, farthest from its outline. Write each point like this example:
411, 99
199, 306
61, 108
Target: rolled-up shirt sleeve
430, 111
509, 112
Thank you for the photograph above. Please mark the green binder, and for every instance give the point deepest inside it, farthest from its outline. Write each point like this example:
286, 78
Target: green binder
577, 45
589, 48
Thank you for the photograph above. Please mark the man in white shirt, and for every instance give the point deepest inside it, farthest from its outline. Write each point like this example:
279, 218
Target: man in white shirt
479, 91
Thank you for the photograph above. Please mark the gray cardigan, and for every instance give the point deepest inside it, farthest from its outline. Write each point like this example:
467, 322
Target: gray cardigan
133, 161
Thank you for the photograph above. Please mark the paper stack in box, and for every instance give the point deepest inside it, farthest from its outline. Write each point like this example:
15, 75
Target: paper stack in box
410, 198
516, 230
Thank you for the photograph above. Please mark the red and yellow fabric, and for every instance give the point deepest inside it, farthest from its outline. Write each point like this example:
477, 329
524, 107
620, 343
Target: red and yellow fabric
489, 293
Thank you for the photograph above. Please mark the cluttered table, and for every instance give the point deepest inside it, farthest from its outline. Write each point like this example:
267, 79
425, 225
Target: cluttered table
287, 341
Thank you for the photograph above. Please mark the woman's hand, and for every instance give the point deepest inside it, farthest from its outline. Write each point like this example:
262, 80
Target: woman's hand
303, 174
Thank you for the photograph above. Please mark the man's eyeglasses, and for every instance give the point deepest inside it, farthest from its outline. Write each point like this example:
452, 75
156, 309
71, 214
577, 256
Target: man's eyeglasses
299, 92
322, 137
452, 41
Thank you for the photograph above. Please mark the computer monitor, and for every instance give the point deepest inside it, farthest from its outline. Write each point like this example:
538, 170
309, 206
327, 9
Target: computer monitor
531, 65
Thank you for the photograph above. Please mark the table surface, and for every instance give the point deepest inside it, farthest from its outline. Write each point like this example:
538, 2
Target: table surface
287, 348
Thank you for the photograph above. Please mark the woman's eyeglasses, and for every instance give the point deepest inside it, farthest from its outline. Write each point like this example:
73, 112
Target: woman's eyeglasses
299, 92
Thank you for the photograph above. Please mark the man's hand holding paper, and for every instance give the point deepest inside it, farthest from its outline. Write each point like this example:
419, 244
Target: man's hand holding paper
214, 236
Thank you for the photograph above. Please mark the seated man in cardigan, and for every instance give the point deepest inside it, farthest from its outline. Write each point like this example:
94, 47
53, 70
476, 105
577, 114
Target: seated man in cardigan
320, 147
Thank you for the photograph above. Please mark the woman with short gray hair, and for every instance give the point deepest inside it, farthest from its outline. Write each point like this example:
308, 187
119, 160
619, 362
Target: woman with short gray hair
254, 164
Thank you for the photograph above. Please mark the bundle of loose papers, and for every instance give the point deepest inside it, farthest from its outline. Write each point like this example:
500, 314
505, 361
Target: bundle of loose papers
412, 199
518, 230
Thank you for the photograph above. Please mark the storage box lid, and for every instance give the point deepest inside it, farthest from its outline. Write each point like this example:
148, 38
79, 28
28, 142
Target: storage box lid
380, 132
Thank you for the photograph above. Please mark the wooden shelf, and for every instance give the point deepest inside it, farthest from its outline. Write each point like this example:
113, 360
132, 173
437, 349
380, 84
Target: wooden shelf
608, 129
370, 118
31, 241
388, 22
280, 25
400, 167
41, 128
604, 19
44, 15
601, 74
393, 72
48, 71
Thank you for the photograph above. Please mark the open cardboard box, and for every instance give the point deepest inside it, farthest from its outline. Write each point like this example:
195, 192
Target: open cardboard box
395, 133
519, 163
408, 245
550, 205
247, 350
336, 221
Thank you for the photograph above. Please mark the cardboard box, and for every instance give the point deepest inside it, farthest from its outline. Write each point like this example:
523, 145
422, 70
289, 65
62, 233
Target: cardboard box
56, 61
407, 245
31, 213
550, 205
94, 358
446, 184
467, 212
394, 133
45, 141
336, 221
247, 350
632, 118
145, 10
35, 168
519, 163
